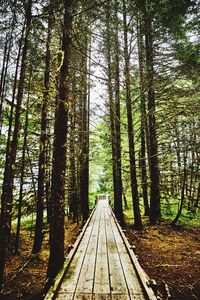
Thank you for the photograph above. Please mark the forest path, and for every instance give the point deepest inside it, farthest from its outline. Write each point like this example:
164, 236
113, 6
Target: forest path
102, 267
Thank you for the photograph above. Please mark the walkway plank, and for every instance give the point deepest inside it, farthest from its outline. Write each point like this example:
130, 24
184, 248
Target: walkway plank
102, 267
101, 280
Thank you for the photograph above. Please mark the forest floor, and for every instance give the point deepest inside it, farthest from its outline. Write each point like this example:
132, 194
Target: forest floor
26, 274
171, 257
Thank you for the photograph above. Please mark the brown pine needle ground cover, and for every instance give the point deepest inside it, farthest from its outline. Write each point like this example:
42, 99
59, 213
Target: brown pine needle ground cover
171, 257
25, 273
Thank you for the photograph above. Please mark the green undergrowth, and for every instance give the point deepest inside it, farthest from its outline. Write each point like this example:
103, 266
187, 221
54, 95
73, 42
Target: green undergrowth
169, 211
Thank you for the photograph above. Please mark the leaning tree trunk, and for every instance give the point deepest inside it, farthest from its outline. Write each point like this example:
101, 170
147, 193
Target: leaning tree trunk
133, 173
43, 146
57, 257
7, 189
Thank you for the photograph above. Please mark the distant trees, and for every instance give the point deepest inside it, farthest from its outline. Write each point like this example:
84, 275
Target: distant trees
153, 83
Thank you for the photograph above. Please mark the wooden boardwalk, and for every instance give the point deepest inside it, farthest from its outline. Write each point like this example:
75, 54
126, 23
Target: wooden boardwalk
102, 267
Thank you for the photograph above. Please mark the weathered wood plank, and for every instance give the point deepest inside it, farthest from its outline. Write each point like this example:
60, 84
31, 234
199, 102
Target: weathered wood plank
120, 297
101, 297
72, 275
131, 278
117, 280
102, 246
83, 297
86, 278
65, 296
101, 280
85, 281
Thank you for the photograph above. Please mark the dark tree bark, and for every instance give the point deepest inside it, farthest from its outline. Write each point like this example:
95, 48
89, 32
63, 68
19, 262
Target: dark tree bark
114, 110
56, 258
73, 198
118, 208
144, 126
155, 212
84, 166
7, 190
43, 145
133, 173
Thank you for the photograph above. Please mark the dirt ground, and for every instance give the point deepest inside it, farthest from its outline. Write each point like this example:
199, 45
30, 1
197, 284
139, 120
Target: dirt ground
25, 275
171, 257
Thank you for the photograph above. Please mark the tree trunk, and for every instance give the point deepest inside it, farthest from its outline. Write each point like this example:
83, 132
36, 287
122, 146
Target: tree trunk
22, 174
114, 108
182, 192
3, 76
56, 258
144, 126
155, 212
84, 166
133, 173
73, 200
43, 146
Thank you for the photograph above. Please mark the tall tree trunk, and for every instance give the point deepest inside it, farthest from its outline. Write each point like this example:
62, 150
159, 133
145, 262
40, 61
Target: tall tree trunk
155, 211
73, 200
7, 190
22, 173
118, 201
3, 76
133, 173
43, 146
56, 258
114, 108
84, 167
144, 126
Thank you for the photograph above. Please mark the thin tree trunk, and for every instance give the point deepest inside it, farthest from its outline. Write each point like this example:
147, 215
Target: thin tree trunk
155, 212
48, 180
118, 208
144, 126
133, 173
73, 200
56, 258
182, 192
43, 146
84, 167
3, 76
114, 114
22, 174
